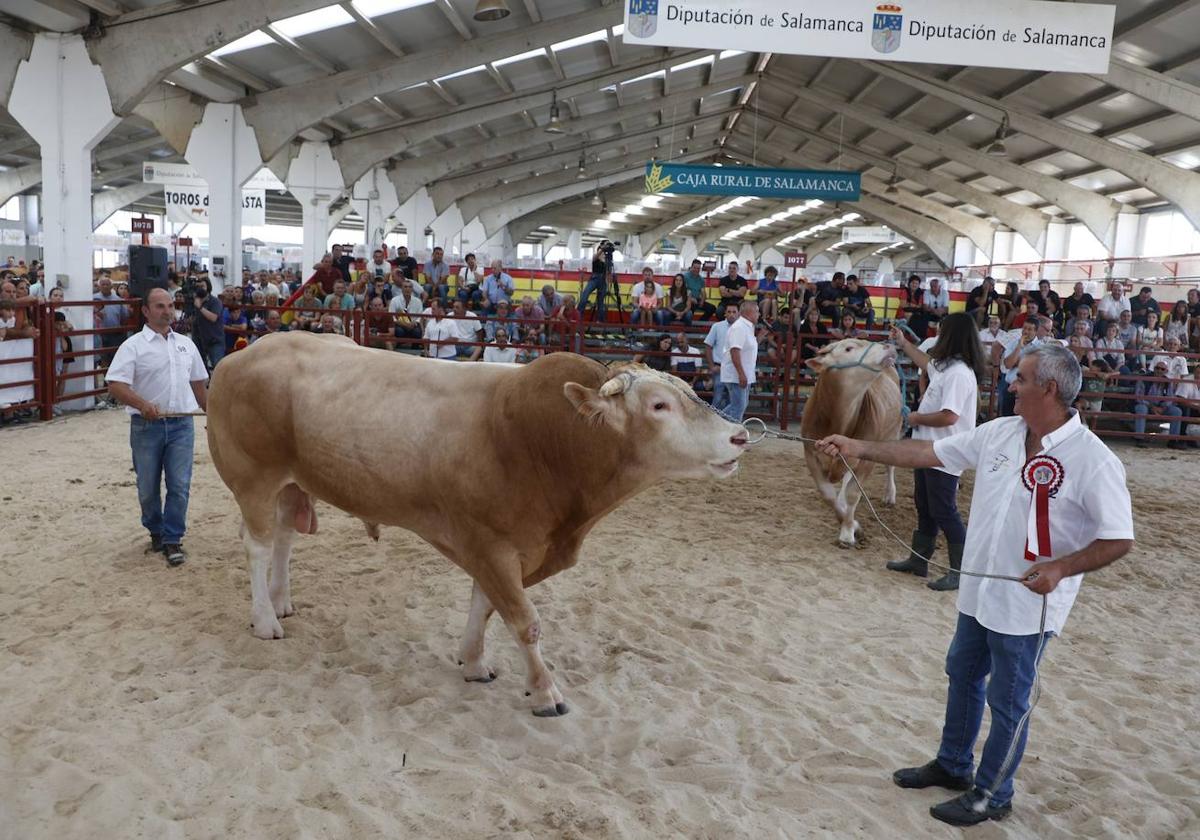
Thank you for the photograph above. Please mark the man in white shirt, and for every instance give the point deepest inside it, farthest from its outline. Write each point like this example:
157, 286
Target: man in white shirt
937, 300
1177, 367
469, 332
1113, 304
1188, 394
470, 280
1010, 356
378, 268
739, 361
158, 372
406, 308
992, 338
714, 351
1050, 503
441, 334
501, 351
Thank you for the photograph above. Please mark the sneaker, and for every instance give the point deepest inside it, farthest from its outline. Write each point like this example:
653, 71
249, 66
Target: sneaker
970, 808
930, 775
175, 554
156, 544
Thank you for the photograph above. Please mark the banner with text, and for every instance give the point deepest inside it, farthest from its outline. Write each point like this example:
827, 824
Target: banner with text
1019, 34
190, 204
699, 179
183, 175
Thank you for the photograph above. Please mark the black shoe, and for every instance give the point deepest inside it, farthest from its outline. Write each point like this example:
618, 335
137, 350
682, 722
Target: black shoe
175, 554
156, 543
930, 775
970, 808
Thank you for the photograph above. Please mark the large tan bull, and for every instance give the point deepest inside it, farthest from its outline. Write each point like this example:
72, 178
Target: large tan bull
858, 395
461, 432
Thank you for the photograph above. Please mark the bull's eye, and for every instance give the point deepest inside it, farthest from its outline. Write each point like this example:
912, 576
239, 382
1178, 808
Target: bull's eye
660, 406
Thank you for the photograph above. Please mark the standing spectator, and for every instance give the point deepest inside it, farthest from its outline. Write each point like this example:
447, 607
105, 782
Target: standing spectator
954, 365
470, 279
714, 353
181, 319
342, 259
157, 372
326, 274
440, 333
678, 302
63, 348
738, 364
500, 351
1156, 401
497, 286
468, 330
598, 282
208, 328
829, 296
645, 301
437, 276
1110, 307
696, 288
1143, 305
111, 314
1177, 322
406, 264
733, 286
766, 292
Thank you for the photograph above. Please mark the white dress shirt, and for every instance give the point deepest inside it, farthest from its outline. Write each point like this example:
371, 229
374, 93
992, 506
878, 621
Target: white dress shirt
740, 336
954, 388
159, 369
1092, 503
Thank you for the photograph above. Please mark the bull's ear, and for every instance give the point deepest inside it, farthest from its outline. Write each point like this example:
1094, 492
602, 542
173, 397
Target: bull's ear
593, 405
817, 363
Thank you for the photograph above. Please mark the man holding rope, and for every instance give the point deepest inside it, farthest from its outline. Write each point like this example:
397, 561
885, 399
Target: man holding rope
1049, 504
160, 377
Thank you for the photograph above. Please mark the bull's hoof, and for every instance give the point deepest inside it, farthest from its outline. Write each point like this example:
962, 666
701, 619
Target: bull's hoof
557, 710
267, 628
844, 544
491, 675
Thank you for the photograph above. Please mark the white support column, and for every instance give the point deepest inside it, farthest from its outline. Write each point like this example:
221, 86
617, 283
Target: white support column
1058, 238
687, 251
315, 180
224, 151
1125, 243
446, 226
60, 98
633, 247
497, 247
575, 244
416, 214
374, 199
29, 217
473, 237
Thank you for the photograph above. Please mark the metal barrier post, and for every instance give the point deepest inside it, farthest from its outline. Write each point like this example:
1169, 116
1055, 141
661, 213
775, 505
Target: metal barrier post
47, 345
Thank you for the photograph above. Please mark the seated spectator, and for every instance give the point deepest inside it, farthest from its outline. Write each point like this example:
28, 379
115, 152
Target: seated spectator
502, 317
497, 286
1153, 400
992, 335
1126, 329
343, 298
771, 335
981, 301
1044, 295
1009, 305
766, 292
1078, 298
532, 318
406, 265
645, 299
564, 322
258, 300
1142, 306
381, 325
330, 324
1082, 313
272, 323
1030, 313
811, 334
237, 326
1177, 323
847, 327
677, 305
469, 332
528, 349
1188, 394
324, 275
469, 286
1083, 332
1177, 366
500, 350
1111, 350
378, 268
1096, 378
440, 332
1056, 316
858, 301
549, 300
1193, 304
656, 353
830, 294
406, 308
62, 360
437, 276
1147, 340
687, 362
697, 286
308, 308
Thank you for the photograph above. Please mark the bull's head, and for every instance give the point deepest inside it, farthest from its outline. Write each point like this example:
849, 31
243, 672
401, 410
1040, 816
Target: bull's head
854, 358
668, 427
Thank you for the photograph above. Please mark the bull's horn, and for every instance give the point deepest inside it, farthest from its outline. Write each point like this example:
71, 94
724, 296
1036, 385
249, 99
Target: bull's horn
619, 384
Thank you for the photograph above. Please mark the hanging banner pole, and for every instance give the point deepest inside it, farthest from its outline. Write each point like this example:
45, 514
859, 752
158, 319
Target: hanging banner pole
1017, 34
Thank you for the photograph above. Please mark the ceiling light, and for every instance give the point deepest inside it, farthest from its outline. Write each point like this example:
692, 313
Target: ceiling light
997, 148
596, 198
555, 124
489, 10
581, 173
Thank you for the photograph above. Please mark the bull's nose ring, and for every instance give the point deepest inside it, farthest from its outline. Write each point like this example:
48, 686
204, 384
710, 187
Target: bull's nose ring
762, 433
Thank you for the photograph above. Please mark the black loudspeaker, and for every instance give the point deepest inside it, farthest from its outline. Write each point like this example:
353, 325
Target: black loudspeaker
147, 270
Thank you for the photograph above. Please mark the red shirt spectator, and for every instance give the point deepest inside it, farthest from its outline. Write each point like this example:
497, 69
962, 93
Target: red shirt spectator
326, 274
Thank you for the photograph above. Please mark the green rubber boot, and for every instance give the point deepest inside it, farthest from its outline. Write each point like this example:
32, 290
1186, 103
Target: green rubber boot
949, 581
922, 547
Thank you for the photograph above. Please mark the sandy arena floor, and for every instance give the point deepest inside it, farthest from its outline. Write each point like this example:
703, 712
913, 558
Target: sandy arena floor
729, 677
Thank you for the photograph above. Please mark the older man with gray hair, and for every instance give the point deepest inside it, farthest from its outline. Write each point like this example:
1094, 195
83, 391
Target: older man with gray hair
1049, 504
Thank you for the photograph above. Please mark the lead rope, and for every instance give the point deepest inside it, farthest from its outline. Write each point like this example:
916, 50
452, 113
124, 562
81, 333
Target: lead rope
1036, 693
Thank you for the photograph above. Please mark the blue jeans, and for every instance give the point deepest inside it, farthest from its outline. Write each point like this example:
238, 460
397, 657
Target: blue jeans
473, 298
1142, 409
670, 316
595, 284
738, 397
975, 652
211, 352
443, 291
720, 397
656, 317
163, 447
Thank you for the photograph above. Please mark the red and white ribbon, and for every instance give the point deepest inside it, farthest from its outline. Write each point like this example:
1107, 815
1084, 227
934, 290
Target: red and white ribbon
1042, 476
